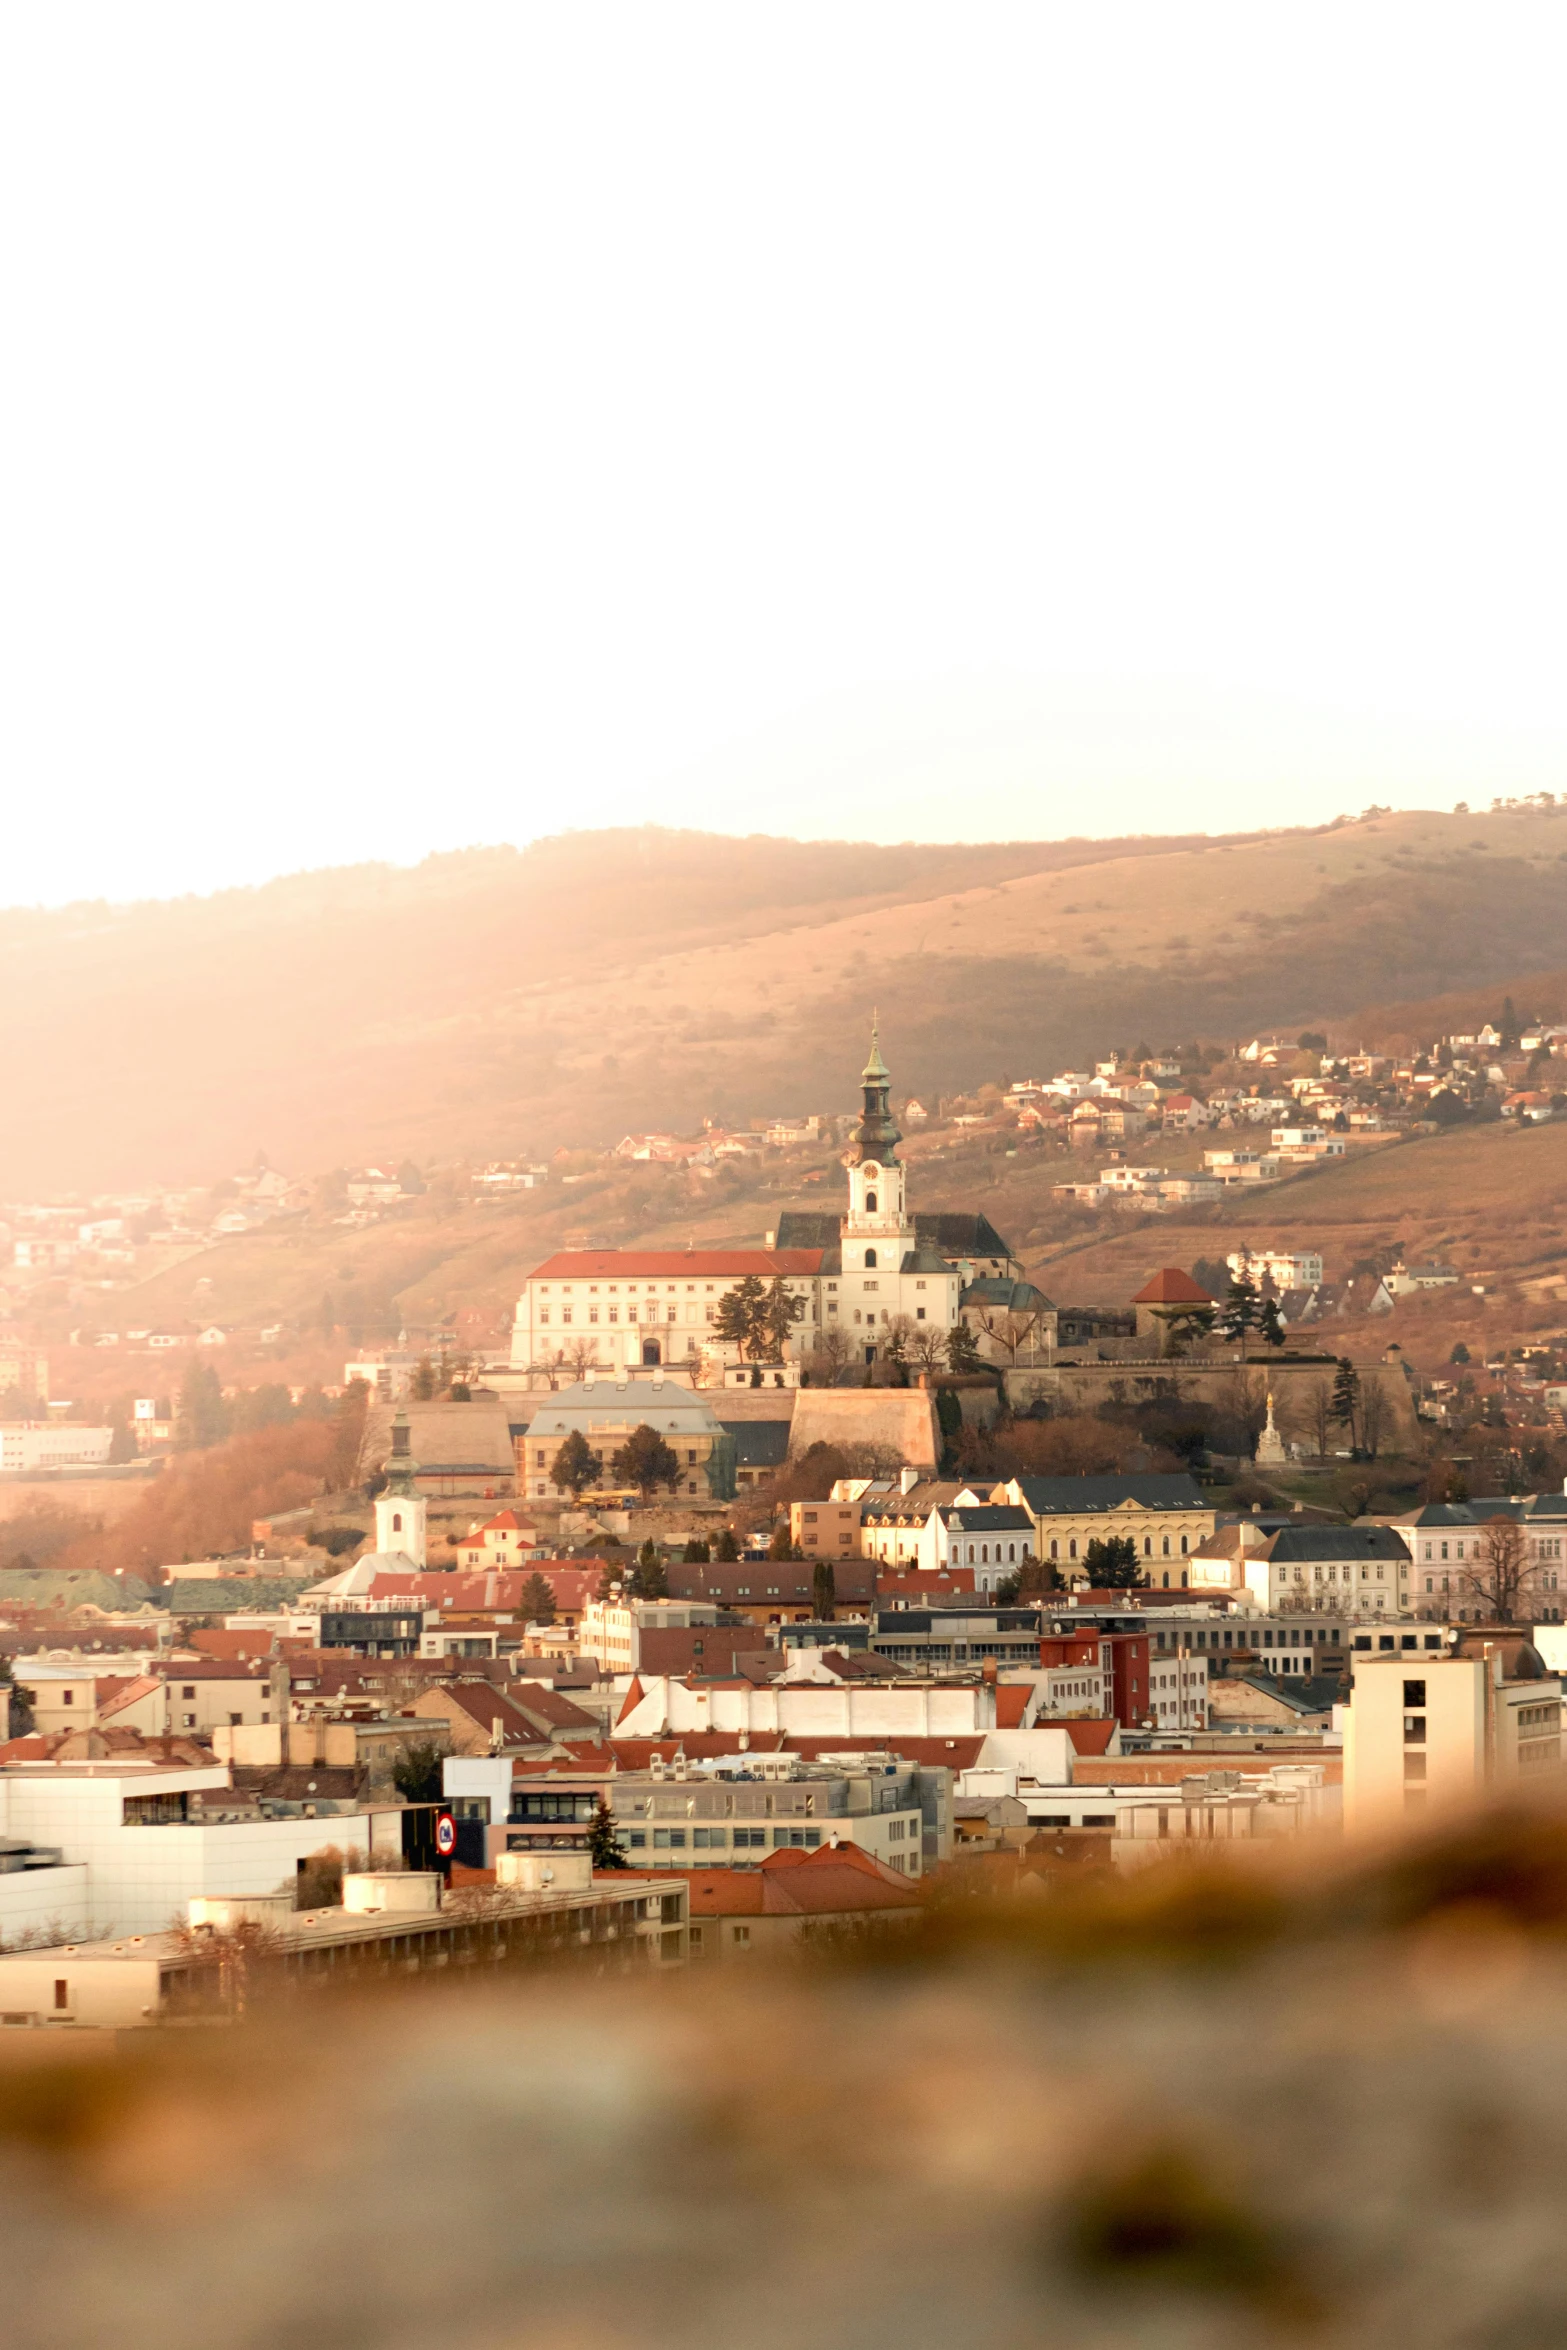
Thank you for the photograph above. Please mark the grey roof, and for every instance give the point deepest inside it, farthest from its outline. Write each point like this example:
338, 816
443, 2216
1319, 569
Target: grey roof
77, 1587
950, 1235
1305, 1543
611, 1402
992, 1519
1155, 1490
1305, 1693
1008, 1297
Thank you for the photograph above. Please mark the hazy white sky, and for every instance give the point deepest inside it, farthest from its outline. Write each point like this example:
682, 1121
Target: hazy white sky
432, 426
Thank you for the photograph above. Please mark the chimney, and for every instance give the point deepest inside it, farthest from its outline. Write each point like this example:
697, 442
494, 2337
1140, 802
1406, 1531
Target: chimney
907, 1480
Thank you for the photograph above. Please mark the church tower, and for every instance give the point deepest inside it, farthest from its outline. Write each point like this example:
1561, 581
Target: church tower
400, 1507
878, 1231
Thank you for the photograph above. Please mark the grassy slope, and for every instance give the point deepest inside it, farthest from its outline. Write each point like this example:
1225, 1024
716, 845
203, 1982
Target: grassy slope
496, 1001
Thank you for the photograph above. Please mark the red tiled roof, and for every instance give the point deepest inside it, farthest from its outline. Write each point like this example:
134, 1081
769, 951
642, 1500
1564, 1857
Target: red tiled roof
1089, 1737
122, 1693
661, 1264
491, 1590
240, 1646
826, 1883
1171, 1287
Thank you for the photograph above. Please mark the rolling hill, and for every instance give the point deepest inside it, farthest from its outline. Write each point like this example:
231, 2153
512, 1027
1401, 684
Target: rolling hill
500, 1001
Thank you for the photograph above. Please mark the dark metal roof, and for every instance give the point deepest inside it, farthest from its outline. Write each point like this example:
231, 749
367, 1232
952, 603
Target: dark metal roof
1155, 1490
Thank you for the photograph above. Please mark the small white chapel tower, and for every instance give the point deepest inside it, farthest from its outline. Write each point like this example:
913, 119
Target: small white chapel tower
400, 1507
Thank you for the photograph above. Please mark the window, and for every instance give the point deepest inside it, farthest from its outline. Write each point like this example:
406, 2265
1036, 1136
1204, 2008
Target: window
1414, 1693
565, 1313
62, 1994
870, 1210
870, 1259
741, 1934
544, 1314
189, 1688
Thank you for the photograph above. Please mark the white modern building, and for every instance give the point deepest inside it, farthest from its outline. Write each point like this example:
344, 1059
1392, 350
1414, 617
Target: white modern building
54, 1444
146, 1849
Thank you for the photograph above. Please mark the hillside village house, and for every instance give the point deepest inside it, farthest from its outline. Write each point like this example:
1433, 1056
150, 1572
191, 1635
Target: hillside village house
859, 1272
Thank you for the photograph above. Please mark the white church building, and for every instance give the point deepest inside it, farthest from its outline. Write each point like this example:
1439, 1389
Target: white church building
858, 1272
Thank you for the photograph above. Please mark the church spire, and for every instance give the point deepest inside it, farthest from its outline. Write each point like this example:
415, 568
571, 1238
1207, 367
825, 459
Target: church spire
876, 1136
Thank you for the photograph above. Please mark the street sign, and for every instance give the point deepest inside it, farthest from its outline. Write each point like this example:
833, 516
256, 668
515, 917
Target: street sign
445, 1835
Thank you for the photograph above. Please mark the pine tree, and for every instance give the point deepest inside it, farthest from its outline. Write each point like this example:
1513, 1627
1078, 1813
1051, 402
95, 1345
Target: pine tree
696, 1552
824, 1592
1508, 1024
962, 1348
777, 1319
1271, 1322
573, 1466
649, 1578
605, 1849
423, 1387
645, 1461
781, 1546
1112, 1565
1345, 1404
1242, 1310
537, 1600
727, 1550
741, 1319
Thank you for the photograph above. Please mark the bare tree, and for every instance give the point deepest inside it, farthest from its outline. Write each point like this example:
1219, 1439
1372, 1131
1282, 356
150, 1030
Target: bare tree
829, 1354
1007, 1331
582, 1356
1317, 1406
1500, 1576
1375, 1415
927, 1347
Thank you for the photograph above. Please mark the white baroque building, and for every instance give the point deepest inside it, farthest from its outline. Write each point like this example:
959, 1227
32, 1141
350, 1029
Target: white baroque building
648, 1308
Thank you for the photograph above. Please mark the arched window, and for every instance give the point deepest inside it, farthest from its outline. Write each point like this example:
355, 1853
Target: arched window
984, 1554
1167, 1580
1183, 1552
1055, 1550
1012, 1551
1148, 1546
870, 1203
1167, 1546
971, 1554
870, 1260
1071, 1548
397, 1522
1183, 1578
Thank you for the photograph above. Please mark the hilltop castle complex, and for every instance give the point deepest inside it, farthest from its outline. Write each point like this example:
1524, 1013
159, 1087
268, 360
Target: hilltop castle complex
858, 1272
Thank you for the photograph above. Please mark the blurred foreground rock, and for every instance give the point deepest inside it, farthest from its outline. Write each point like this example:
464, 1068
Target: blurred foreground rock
1189, 2111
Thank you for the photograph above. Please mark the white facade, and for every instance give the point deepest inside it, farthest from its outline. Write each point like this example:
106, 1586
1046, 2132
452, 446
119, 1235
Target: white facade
57, 1444
400, 1525
1430, 1733
659, 1307
1286, 1270
142, 1876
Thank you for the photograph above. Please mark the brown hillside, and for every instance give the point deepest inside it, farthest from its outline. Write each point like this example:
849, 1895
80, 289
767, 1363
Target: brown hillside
498, 1001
